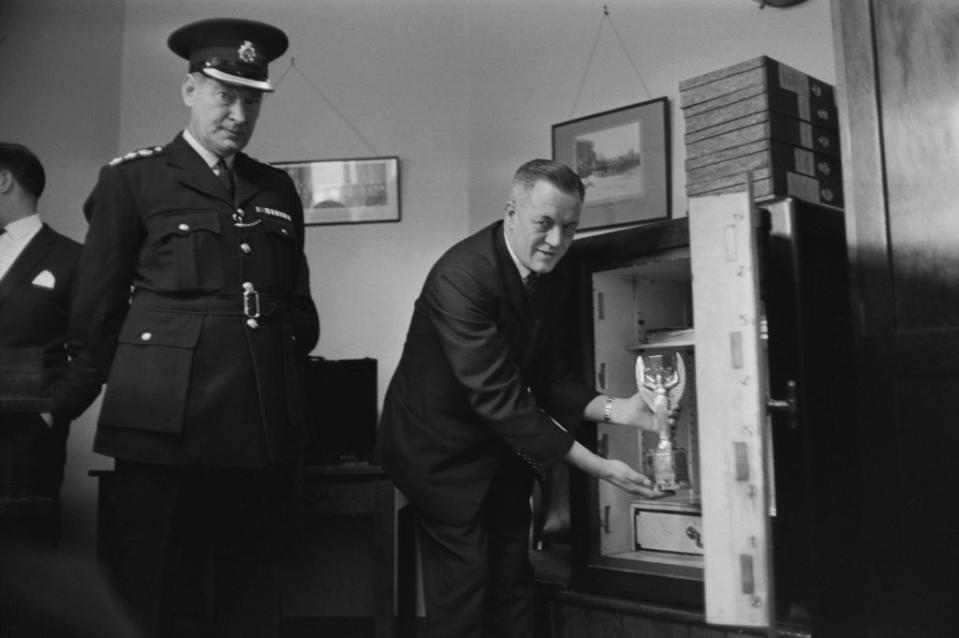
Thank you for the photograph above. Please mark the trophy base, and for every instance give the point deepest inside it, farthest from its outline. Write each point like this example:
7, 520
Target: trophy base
669, 469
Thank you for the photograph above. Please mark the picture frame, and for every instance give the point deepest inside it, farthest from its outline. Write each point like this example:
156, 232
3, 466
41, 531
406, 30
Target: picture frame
356, 190
623, 158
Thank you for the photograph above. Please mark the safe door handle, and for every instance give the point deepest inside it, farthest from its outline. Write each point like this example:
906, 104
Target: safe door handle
787, 405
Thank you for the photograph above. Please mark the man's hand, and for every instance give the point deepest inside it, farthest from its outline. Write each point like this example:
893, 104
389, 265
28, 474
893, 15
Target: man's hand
635, 412
626, 478
613, 471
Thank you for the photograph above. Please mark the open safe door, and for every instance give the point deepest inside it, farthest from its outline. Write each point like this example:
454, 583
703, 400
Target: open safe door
733, 426
751, 301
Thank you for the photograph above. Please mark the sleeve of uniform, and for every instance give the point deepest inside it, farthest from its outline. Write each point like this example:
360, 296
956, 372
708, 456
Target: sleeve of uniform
462, 311
104, 278
305, 319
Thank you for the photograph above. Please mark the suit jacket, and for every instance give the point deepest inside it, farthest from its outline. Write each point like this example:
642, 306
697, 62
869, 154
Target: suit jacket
34, 314
197, 372
481, 374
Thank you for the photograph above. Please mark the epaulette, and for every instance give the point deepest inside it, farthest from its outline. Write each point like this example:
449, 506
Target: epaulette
149, 151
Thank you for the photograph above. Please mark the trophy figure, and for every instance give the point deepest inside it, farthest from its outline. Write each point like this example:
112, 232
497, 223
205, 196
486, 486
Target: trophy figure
661, 387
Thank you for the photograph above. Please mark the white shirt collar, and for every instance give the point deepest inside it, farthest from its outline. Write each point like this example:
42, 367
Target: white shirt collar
210, 158
523, 270
13, 242
24, 227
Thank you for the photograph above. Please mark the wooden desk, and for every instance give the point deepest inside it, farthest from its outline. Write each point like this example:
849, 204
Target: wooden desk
337, 575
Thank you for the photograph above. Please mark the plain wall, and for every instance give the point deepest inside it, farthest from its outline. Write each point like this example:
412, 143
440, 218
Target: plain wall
463, 91
60, 96
536, 63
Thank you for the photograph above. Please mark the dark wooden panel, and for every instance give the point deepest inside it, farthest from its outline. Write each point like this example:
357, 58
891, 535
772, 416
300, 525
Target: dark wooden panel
579, 615
641, 627
918, 83
604, 623
897, 66
569, 621
704, 632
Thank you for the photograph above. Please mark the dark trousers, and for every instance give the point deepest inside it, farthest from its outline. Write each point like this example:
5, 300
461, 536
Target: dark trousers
477, 578
32, 458
195, 550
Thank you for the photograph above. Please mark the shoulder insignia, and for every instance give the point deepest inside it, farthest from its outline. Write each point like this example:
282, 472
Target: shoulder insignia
148, 151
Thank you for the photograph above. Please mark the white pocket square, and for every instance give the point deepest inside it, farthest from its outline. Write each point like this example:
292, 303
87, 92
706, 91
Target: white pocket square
45, 280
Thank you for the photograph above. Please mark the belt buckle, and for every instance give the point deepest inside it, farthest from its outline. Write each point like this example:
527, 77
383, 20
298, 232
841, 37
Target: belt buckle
251, 305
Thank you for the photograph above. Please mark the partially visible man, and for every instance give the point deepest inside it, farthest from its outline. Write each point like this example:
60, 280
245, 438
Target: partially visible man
37, 266
194, 306
482, 396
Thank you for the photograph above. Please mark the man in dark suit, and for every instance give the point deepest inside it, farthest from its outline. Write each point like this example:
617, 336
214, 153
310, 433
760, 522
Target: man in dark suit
193, 304
482, 396
37, 266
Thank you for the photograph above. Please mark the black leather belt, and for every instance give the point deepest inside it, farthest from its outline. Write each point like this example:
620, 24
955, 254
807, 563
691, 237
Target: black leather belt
248, 303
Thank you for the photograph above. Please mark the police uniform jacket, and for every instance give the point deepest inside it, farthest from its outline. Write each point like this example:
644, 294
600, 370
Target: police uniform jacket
481, 378
195, 309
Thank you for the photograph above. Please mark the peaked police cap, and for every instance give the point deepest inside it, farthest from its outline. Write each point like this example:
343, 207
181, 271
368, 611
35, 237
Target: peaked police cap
231, 50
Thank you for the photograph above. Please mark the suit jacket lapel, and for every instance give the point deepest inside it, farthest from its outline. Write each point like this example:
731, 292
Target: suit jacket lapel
33, 252
511, 279
194, 172
529, 313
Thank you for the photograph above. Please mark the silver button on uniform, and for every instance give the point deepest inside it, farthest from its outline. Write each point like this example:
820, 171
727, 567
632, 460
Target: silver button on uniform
146, 336
184, 227
246, 248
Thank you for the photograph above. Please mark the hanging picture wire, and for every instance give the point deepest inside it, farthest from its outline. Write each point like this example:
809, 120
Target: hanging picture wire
313, 85
348, 190
606, 18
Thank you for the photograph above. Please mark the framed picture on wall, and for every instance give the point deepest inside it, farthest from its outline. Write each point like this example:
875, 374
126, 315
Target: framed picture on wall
622, 156
347, 191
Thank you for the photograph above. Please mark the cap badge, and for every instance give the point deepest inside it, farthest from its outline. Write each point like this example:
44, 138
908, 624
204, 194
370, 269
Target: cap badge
246, 51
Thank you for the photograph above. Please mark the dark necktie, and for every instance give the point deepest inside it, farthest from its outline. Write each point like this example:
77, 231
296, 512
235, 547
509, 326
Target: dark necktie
529, 283
223, 172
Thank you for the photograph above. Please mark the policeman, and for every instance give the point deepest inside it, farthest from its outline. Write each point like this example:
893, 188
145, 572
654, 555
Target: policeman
194, 306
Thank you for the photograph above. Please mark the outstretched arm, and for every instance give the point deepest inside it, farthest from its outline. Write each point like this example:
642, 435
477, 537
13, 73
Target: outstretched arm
631, 411
612, 471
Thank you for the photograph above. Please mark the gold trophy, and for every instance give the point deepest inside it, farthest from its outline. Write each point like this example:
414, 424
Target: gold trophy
661, 387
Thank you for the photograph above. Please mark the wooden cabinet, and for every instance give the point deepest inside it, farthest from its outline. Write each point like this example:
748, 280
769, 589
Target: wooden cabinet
339, 573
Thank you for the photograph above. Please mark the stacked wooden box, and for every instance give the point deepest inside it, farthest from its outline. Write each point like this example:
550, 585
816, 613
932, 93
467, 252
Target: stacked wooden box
763, 118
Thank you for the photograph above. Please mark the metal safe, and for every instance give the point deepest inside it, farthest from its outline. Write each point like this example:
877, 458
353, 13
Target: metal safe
747, 303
